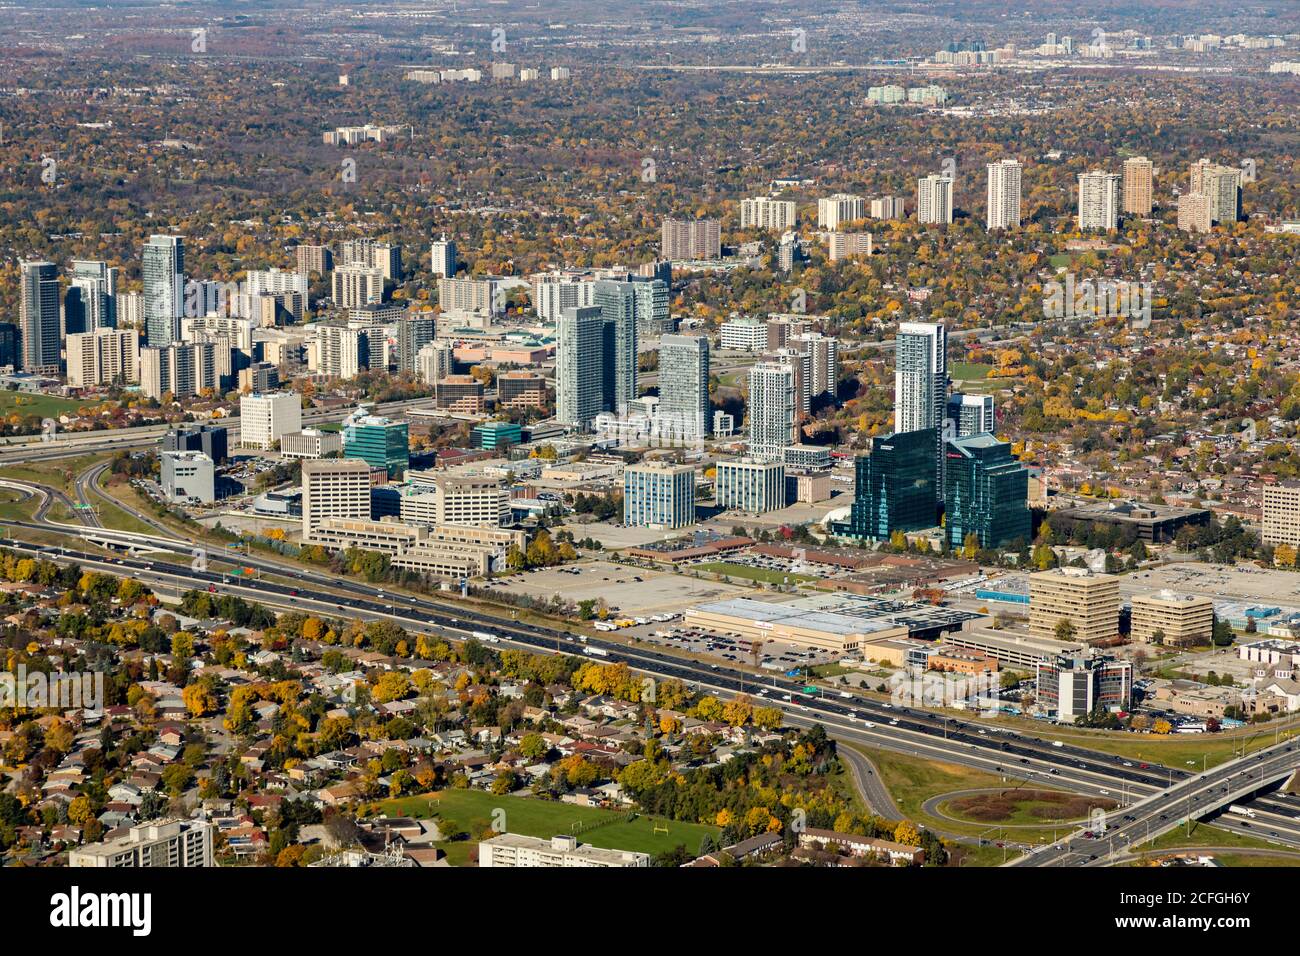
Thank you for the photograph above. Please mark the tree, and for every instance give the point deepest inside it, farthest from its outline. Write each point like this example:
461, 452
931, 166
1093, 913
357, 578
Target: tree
1065, 630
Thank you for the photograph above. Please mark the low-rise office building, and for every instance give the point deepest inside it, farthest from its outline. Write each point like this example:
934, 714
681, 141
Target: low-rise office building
1166, 617
749, 485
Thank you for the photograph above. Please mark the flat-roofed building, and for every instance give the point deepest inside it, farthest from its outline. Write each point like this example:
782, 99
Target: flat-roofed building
158, 843
1089, 601
514, 850
334, 488
459, 393
188, 476
1009, 648
659, 495
265, 419
1072, 687
1167, 617
521, 389
475, 501
753, 620
1282, 513
340, 534
311, 443
749, 485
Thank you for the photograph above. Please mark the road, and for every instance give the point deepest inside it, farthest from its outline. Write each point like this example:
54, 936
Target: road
73, 444
1190, 799
865, 721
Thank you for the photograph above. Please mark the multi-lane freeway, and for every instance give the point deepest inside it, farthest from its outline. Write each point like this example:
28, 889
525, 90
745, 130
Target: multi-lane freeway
1189, 799
1017, 758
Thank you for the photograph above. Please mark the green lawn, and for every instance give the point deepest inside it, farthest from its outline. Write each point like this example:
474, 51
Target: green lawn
1203, 834
751, 574
970, 371
1061, 260
472, 810
47, 406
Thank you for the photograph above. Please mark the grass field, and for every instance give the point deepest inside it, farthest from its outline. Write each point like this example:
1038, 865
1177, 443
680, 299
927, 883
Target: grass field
472, 811
47, 406
1203, 834
970, 372
1061, 260
765, 575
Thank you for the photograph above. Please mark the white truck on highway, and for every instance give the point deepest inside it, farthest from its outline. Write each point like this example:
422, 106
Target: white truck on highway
1244, 811
597, 651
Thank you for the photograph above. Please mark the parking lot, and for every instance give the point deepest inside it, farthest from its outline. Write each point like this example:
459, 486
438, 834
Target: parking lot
633, 591
776, 656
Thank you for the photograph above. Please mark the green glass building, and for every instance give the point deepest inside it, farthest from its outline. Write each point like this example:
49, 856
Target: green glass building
986, 493
497, 435
380, 442
895, 488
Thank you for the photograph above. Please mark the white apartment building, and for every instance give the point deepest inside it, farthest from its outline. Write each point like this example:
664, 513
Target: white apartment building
105, 356
1099, 200
265, 419
835, 210
435, 361
934, 200
773, 405
310, 443
237, 331
1003, 194
513, 850
846, 245
469, 295
743, 335
159, 843
352, 287
763, 212
553, 292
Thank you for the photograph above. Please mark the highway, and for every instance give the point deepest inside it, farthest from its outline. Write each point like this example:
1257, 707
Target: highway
1153, 816
73, 444
1016, 758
